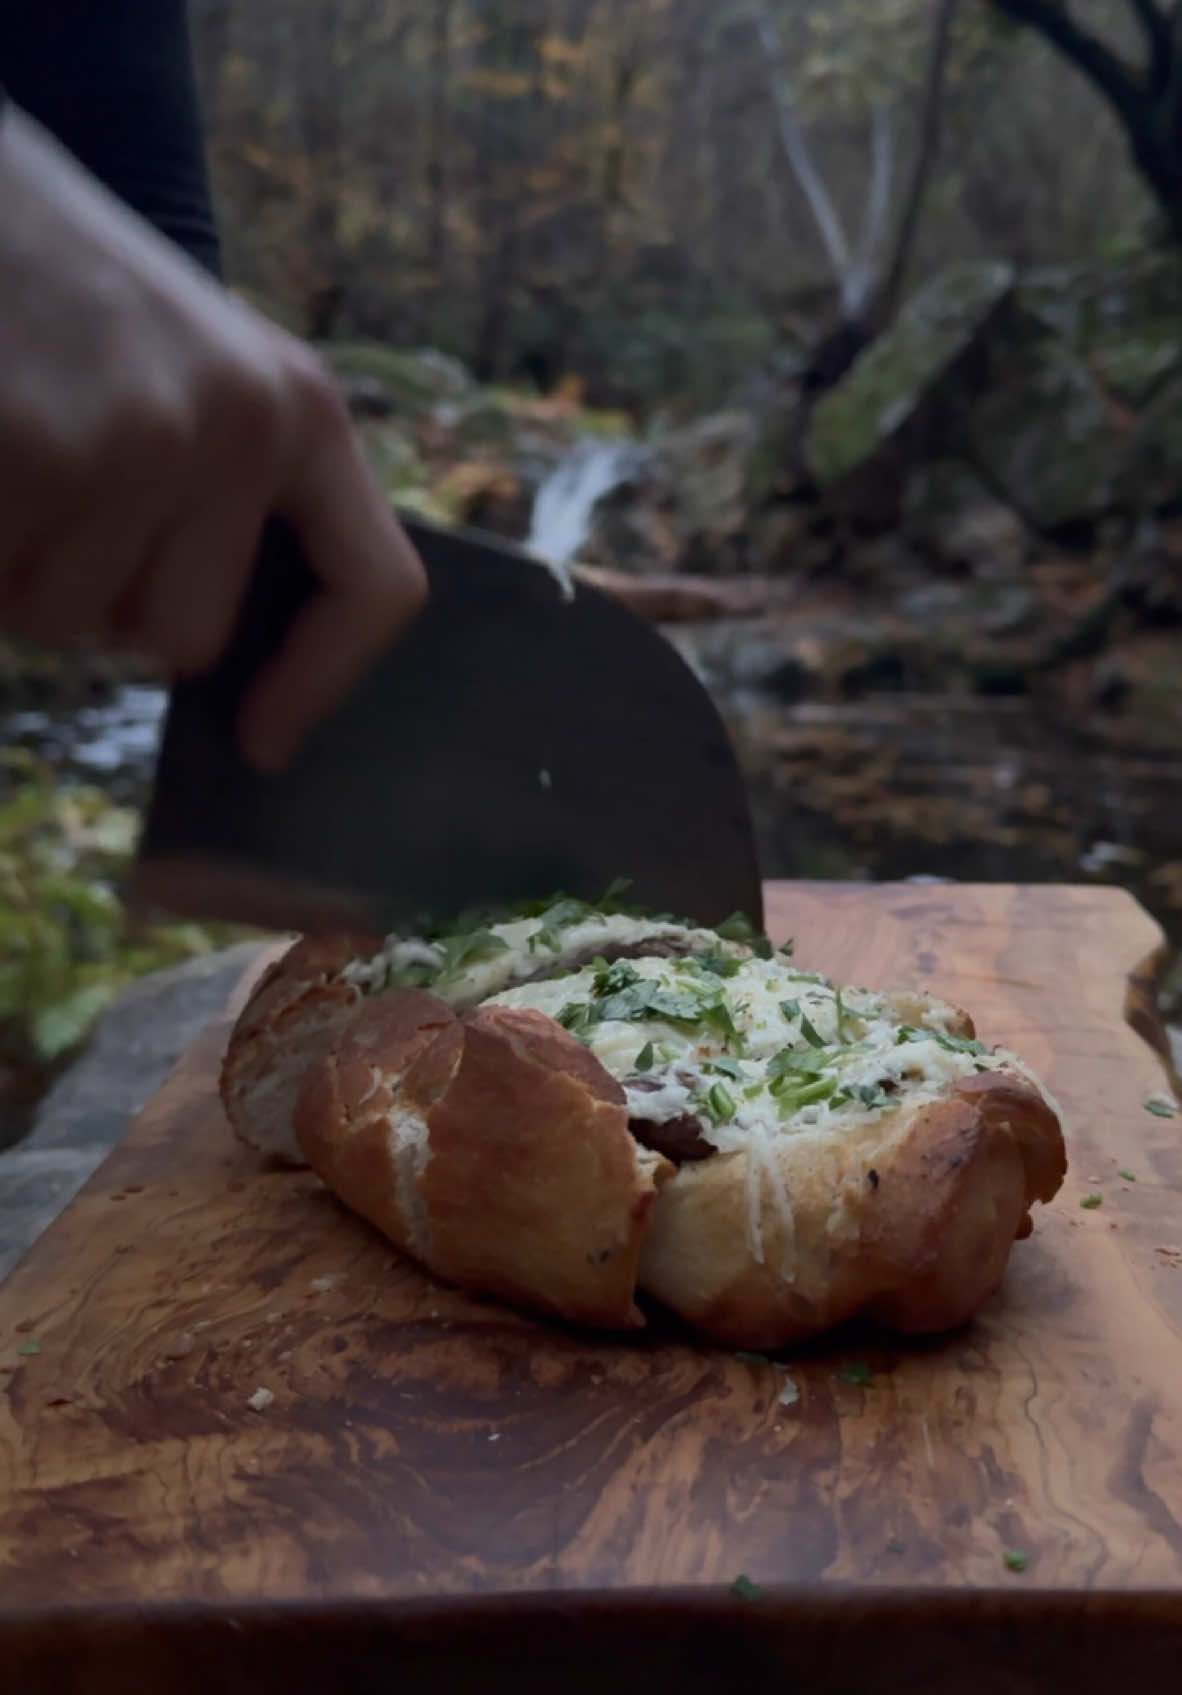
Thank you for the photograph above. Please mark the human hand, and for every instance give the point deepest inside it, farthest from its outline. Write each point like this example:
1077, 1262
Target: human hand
149, 426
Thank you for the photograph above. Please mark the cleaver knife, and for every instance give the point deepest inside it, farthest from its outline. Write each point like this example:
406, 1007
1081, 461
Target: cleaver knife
526, 736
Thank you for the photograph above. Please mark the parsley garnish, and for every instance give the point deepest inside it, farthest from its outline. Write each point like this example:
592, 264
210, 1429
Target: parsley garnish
721, 964
610, 979
953, 1044
1015, 1560
1091, 1202
793, 1009
459, 951
761, 947
727, 1067
636, 1001
644, 1059
856, 1371
1158, 1107
29, 1348
870, 1095
1129, 1176
794, 1062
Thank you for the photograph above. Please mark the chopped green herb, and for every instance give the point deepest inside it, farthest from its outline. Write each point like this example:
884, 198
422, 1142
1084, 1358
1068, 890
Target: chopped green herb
1159, 1108
751, 1359
871, 1095
726, 1068
459, 951
894, 1546
761, 947
790, 1099
644, 1059
745, 1589
810, 977
721, 1103
787, 948
545, 937
1129, 1176
565, 911
792, 1062
615, 891
953, 1044
794, 1010
29, 1348
720, 964
856, 1371
839, 1010
1092, 1201
737, 928
577, 1017
1015, 1560
752, 1089
610, 979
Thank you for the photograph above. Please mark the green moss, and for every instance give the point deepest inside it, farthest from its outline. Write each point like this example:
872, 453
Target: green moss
895, 374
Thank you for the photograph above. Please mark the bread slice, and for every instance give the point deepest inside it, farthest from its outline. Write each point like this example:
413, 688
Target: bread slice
694, 1118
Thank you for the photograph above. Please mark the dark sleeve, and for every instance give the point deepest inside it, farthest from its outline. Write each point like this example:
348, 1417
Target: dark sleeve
113, 81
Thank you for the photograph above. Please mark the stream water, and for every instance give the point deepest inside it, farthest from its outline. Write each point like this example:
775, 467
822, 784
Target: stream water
564, 503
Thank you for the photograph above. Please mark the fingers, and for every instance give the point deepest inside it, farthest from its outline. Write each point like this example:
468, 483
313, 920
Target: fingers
183, 605
373, 586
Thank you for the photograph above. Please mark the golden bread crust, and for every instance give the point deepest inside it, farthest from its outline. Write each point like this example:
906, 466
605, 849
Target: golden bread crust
520, 1178
295, 1010
907, 1216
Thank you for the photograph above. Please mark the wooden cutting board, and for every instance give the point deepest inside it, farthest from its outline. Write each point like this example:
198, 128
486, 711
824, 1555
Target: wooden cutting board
243, 1445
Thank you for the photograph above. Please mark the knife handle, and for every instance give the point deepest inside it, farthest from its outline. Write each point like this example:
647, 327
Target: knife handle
281, 584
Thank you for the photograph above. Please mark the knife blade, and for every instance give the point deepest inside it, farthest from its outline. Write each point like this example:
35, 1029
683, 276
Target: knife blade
526, 736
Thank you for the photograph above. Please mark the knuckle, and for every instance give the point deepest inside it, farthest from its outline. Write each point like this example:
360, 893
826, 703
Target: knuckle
316, 390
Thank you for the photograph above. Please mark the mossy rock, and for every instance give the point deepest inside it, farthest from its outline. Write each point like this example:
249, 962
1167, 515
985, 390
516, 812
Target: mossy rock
1045, 435
890, 388
1124, 320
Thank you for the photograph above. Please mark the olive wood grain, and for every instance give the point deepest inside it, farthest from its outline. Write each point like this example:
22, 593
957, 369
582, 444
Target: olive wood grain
435, 1475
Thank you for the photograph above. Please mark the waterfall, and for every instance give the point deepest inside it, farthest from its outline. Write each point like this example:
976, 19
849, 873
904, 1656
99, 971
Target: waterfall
567, 498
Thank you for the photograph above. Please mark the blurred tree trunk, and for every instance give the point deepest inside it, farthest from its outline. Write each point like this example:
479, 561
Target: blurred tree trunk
1146, 101
438, 140
868, 275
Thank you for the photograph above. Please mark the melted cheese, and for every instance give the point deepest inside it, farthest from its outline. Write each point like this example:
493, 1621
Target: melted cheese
528, 946
775, 1009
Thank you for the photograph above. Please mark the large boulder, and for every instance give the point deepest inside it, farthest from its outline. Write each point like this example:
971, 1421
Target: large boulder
893, 404
1045, 434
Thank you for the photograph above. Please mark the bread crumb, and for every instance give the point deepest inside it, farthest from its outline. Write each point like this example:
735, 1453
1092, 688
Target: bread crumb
260, 1400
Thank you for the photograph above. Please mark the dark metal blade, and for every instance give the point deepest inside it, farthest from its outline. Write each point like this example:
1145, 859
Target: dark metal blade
517, 741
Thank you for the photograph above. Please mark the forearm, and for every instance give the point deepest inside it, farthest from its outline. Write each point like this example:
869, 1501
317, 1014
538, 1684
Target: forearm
113, 81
